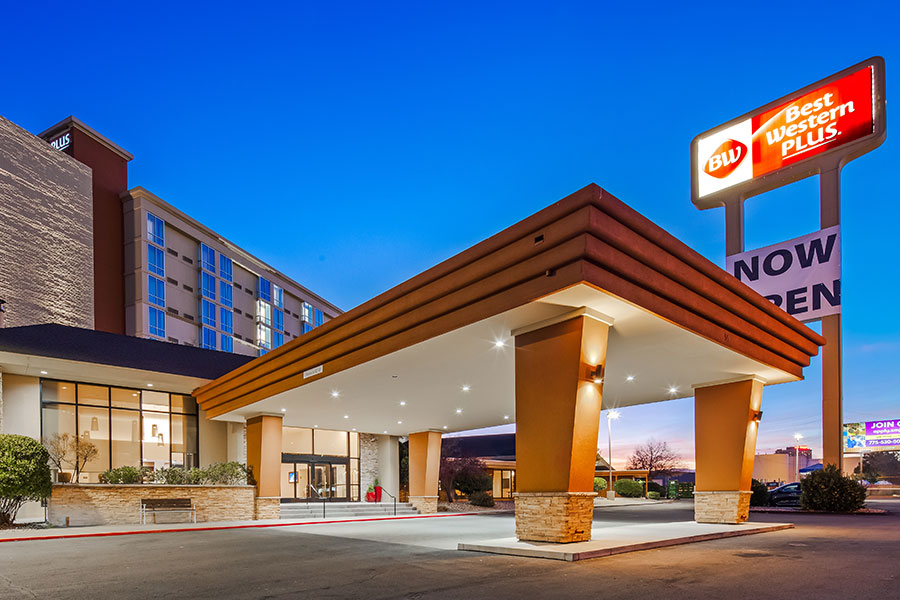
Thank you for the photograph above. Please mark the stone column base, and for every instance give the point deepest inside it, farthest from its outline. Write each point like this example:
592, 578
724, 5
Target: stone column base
426, 505
267, 508
560, 517
721, 507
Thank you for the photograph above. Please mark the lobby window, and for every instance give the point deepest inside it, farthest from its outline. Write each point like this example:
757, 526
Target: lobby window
306, 312
156, 291
156, 260
208, 313
264, 336
277, 339
305, 327
263, 312
226, 292
157, 322
265, 289
225, 267
156, 229
319, 317
129, 427
208, 285
209, 339
226, 320
277, 296
278, 319
207, 258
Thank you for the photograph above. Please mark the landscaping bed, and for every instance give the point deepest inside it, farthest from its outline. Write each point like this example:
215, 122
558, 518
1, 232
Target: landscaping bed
455, 507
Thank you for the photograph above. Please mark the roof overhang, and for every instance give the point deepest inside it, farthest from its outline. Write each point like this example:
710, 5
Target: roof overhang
677, 321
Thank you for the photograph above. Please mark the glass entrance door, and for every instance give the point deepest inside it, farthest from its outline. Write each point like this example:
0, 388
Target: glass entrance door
299, 479
321, 480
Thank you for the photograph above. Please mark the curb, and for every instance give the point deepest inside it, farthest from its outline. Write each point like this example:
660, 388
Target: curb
65, 536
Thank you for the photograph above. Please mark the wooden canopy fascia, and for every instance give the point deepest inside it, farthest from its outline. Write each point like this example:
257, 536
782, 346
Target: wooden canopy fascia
588, 237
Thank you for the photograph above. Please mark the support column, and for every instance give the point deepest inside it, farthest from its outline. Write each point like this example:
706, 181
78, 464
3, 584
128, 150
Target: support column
725, 443
264, 461
424, 468
558, 408
389, 465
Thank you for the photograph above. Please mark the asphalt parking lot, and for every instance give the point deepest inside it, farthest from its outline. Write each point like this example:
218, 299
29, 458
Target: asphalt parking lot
825, 556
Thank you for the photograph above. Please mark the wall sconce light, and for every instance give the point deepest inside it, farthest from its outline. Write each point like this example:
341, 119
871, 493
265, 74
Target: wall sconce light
596, 374
757, 416
95, 424
154, 430
160, 442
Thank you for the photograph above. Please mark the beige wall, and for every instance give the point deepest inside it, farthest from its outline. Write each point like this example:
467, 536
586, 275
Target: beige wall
236, 439
213, 441
46, 233
388, 464
21, 405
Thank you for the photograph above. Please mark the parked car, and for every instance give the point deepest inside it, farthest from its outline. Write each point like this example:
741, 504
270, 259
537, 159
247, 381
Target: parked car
785, 495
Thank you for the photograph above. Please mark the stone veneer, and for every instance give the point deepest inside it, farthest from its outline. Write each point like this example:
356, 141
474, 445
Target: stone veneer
721, 507
368, 462
426, 505
267, 508
105, 504
559, 517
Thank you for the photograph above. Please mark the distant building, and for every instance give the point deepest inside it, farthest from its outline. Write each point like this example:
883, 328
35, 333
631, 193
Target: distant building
792, 451
781, 466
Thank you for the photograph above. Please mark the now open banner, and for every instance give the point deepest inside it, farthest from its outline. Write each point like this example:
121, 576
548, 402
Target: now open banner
801, 276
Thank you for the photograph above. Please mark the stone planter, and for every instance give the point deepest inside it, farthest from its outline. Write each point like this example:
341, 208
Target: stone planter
109, 504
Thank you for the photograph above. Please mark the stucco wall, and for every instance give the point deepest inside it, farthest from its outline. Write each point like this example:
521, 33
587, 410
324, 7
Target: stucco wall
21, 415
389, 464
46, 233
213, 441
98, 504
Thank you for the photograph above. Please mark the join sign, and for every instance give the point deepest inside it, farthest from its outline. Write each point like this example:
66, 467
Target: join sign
801, 276
841, 115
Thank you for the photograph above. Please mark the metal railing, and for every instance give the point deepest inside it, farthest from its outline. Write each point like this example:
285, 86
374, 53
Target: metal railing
319, 496
384, 491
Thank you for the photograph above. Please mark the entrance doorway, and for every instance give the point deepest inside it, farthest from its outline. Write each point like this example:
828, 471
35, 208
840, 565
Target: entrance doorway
314, 480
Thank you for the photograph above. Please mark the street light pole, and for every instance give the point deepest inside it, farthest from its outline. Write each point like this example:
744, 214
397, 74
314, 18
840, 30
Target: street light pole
611, 415
798, 437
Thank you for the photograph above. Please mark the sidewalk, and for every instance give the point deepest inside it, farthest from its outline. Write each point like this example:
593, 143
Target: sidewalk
56, 533
620, 501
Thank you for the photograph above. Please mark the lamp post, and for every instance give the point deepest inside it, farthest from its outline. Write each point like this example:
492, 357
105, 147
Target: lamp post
798, 437
611, 415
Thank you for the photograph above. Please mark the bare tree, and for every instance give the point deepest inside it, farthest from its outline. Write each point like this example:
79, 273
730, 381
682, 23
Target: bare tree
655, 457
65, 449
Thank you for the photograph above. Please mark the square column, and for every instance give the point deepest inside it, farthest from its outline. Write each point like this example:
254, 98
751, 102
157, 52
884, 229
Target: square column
557, 420
725, 444
264, 456
424, 469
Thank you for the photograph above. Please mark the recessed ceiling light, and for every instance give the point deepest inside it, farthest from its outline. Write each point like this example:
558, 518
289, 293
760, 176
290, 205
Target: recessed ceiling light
354, 429
65, 388
283, 410
149, 385
629, 378
335, 393
316, 426
458, 410
43, 372
403, 403
135, 395
346, 416
399, 422
673, 389
385, 430
506, 417
445, 427
499, 344
466, 388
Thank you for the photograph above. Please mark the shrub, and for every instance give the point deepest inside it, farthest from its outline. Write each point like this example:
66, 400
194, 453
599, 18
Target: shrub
653, 495
480, 499
24, 474
124, 475
830, 491
229, 473
175, 476
652, 486
760, 493
629, 488
599, 484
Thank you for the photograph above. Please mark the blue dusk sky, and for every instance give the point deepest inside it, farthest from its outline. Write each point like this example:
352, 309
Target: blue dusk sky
353, 145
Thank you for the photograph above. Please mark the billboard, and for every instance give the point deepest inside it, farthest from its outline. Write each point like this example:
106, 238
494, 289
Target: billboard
872, 435
837, 119
801, 276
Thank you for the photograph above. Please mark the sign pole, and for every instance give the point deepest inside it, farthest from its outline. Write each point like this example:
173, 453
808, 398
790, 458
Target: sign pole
734, 226
832, 355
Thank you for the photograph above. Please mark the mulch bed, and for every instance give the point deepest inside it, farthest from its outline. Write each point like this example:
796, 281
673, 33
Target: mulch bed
791, 509
26, 526
466, 507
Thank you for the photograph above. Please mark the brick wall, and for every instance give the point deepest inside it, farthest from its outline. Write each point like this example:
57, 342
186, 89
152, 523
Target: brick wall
46, 233
100, 504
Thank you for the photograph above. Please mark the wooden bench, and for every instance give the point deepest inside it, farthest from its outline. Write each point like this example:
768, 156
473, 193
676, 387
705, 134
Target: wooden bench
167, 505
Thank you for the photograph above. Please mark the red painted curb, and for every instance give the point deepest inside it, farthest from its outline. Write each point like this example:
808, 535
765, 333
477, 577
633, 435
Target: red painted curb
64, 536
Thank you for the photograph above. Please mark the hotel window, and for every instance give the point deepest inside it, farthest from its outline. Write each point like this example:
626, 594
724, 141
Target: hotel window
208, 285
318, 317
263, 312
156, 260
209, 339
156, 291
278, 319
227, 320
277, 339
263, 336
265, 289
306, 312
227, 343
225, 294
305, 327
157, 322
111, 418
207, 258
278, 295
207, 313
156, 230
225, 267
